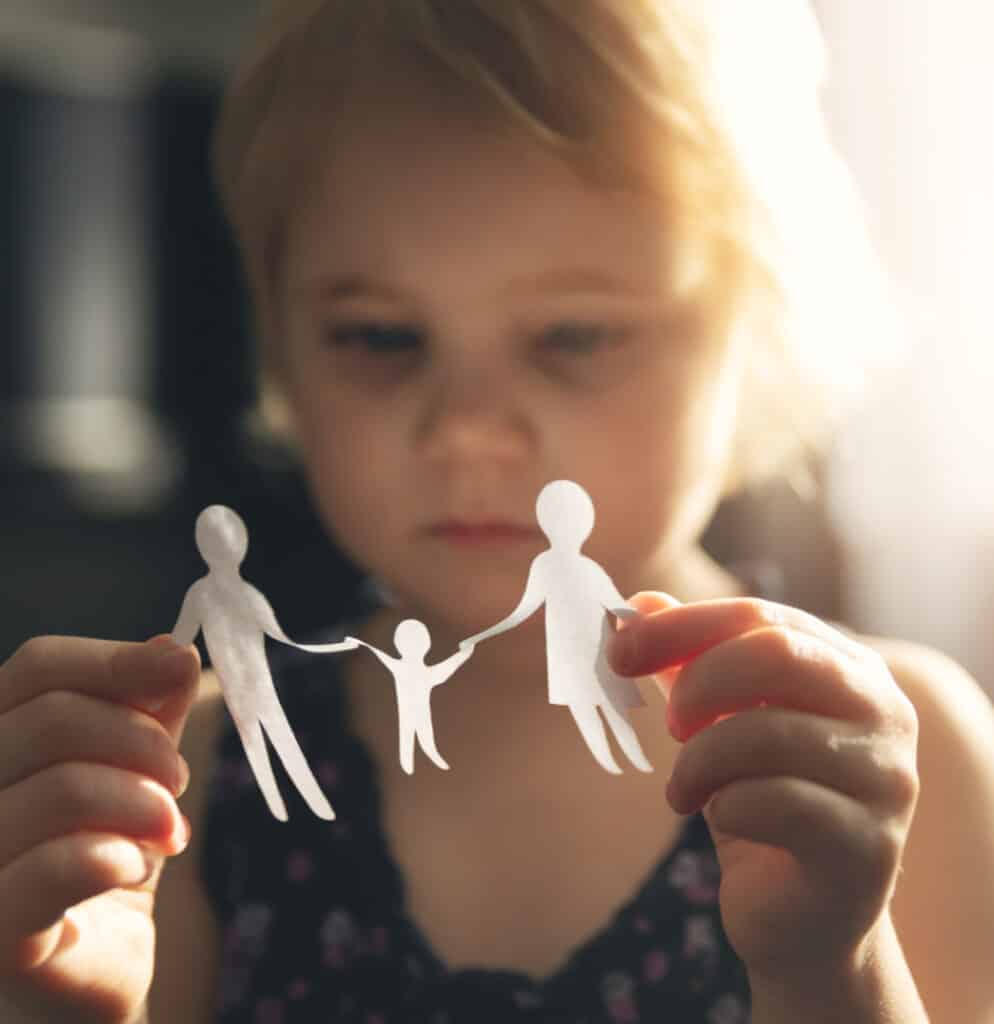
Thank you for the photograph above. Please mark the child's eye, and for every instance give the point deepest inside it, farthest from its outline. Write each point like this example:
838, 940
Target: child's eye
581, 339
377, 339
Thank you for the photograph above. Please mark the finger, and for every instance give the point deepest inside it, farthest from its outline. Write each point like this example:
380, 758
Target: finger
648, 602
76, 797
837, 840
674, 636
777, 665
152, 675
774, 742
38, 887
62, 726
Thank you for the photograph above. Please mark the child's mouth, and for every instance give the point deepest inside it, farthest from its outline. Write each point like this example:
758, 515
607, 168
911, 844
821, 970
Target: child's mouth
484, 532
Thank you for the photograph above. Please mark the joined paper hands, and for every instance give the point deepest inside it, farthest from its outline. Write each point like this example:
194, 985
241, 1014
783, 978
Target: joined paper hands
235, 619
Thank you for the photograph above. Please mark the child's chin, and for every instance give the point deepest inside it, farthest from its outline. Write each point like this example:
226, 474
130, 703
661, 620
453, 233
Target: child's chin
464, 615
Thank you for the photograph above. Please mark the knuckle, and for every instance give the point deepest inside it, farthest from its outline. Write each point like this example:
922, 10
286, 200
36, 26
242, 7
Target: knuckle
884, 852
779, 642
53, 712
767, 613
158, 750
84, 794
85, 866
35, 652
903, 784
73, 787
905, 714
152, 803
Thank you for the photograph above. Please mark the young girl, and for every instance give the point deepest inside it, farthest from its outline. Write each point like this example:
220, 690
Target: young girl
495, 243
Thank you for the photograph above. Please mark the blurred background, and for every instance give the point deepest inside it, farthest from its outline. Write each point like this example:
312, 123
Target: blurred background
125, 380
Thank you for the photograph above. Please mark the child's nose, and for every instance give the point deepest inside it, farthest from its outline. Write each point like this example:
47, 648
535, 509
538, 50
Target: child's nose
471, 413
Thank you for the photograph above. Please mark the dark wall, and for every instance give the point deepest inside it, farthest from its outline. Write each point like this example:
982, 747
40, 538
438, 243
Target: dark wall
67, 566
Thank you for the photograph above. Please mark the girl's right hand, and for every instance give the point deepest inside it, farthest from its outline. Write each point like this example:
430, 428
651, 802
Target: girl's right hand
89, 769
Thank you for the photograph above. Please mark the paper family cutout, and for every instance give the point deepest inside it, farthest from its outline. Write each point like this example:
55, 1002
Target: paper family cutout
414, 681
235, 618
577, 593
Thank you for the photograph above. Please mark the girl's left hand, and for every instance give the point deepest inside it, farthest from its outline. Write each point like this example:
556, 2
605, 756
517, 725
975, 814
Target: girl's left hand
799, 746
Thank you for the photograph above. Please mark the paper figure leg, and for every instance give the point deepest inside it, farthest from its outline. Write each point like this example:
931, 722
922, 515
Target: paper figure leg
626, 737
254, 744
279, 731
592, 729
426, 737
407, 746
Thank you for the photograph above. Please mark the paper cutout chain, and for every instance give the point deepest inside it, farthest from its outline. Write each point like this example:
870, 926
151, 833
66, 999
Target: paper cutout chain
235, 619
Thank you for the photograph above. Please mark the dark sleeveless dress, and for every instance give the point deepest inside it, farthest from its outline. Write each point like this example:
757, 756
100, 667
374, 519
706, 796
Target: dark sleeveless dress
316, 928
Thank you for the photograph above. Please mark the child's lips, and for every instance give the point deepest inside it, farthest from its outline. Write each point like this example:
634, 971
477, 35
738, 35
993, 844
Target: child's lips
481, 532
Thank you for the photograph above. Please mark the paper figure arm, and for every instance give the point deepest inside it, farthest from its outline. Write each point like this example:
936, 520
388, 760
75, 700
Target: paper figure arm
444, 669
607, 593
530, 603
384, 659
265, 618
188, 622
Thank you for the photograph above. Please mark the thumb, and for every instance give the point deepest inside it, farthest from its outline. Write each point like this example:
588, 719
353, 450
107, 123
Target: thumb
624, 644
649, 601
171, 710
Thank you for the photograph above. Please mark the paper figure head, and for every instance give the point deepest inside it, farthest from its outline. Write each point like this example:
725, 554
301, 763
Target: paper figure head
222, 537
411, 638
565, 513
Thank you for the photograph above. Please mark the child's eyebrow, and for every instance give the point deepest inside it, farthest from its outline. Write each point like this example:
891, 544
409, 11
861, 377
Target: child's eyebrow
347, 286
570, 279
565, 280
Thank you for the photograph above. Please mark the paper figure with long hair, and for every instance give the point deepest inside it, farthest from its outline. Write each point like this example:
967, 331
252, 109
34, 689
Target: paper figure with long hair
577, 594
235, 619
413, 682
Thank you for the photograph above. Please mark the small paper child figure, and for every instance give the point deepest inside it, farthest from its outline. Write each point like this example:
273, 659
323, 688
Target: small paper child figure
414, 681
235, 619
577, 592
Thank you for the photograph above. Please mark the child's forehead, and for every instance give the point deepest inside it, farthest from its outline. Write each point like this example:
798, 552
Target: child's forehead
464, 232
417, 180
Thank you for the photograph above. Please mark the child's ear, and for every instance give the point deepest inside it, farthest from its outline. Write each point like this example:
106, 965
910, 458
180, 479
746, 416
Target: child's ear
276, 412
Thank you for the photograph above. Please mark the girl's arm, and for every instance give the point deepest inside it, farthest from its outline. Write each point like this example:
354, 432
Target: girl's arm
880, 990
188, 939
869, 771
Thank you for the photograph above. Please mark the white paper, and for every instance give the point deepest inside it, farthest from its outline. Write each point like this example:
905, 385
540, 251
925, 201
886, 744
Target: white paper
577, 593
235, 619
413, 682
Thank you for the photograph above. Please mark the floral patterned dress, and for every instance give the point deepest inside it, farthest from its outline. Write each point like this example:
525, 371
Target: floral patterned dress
316, 927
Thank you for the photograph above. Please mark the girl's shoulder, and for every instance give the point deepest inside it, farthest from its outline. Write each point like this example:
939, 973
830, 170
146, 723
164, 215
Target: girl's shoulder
946, 887
945, 695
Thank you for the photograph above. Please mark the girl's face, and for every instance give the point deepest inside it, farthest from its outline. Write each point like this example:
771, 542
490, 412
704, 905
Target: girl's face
466, 320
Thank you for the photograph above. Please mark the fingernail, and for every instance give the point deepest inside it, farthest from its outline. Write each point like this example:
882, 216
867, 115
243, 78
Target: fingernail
151, 863
183, 773
671, 723
169, 661
163, 645
180, 838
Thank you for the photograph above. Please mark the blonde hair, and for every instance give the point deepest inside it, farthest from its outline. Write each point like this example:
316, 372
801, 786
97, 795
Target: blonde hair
709, 107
